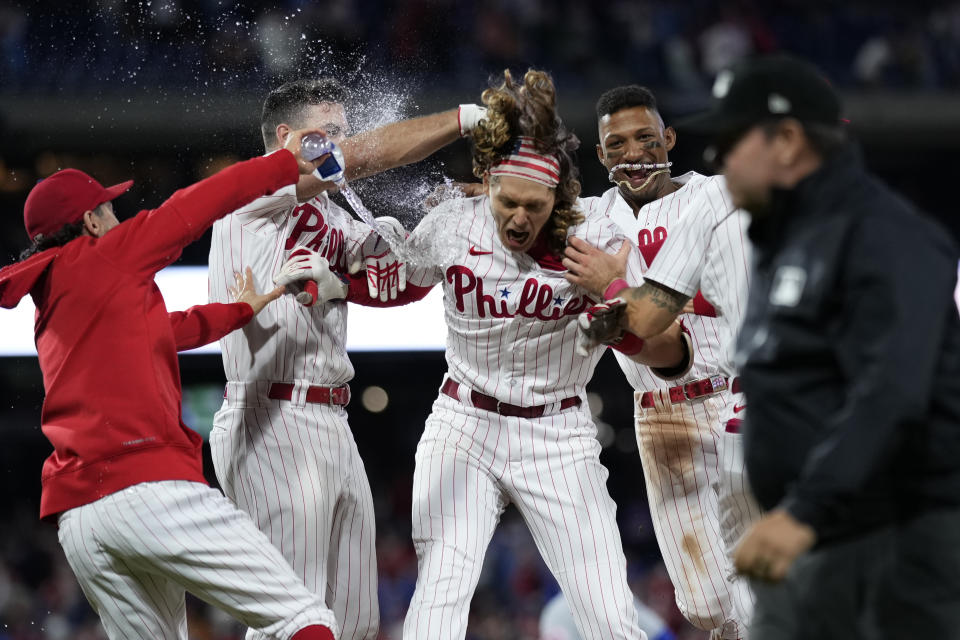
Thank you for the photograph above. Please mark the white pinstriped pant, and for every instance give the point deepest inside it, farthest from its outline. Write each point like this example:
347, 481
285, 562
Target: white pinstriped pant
294, 467
679, 445
738, 508
136, 551
470, 464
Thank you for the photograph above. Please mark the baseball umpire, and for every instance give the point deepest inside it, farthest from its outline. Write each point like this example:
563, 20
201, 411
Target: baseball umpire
125, 484
850, 355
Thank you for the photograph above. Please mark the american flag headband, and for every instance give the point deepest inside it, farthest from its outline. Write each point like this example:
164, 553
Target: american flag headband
524, 161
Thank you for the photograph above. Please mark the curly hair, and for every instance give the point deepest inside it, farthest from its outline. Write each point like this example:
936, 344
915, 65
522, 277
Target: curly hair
60, 237
530, 110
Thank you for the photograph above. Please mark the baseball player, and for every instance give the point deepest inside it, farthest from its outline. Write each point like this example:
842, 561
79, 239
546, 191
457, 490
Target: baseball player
125, 483
680, 426
510, 423
282, 448
556, 621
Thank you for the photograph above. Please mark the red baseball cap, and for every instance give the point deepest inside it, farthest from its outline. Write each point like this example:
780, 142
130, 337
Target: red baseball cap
63, 198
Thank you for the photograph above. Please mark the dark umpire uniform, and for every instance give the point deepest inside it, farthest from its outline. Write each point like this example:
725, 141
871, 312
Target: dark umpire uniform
850, 361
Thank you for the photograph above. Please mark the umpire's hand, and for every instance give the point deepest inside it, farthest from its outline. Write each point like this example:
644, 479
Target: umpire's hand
769, 548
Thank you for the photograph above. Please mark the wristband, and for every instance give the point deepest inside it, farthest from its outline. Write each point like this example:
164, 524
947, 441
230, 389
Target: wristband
468, 117
629, 344
614, 288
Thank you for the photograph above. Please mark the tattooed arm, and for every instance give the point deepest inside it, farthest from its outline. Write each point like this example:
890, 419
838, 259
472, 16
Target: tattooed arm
651, 308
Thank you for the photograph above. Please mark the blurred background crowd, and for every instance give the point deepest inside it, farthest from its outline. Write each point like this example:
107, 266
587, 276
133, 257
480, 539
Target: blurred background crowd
88, 45
168, 91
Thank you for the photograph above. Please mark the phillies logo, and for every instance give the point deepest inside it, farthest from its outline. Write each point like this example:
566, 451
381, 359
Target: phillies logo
649, 242
536, 300
310, 220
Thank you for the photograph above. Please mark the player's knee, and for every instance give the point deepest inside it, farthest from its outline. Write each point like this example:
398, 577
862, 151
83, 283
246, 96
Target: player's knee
703, 615
365, 630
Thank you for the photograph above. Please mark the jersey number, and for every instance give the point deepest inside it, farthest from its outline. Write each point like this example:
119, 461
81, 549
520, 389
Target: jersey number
649, 242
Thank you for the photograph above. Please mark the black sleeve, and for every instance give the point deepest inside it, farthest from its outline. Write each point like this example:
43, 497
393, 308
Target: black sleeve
896, 292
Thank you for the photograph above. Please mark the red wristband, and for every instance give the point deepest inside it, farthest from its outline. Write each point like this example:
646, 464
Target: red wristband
630, 344
614, 288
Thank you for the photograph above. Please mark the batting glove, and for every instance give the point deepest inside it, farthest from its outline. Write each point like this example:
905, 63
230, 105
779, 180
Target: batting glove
600, 324
309, 275
386, 274
469, 116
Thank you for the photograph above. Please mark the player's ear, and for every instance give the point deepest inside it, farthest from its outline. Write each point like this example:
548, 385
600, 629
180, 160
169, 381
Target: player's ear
669, 138
92, 224
600, 154
283, 131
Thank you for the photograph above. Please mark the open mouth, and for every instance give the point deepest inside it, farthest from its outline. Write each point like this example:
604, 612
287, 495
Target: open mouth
636, 175
517, 238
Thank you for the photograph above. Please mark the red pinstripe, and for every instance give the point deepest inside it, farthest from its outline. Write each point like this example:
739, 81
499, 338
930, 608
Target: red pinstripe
711, 336
495, 452
308, 347
336, 515
167, 536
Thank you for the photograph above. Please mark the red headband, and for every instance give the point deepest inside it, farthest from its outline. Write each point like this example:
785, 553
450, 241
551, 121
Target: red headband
527, 163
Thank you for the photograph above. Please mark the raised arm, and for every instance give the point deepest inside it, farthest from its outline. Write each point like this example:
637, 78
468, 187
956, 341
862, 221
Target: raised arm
394, 145
399, 143
153, 239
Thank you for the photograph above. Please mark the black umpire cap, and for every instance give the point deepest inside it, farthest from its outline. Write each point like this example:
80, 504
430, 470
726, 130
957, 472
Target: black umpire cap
764, 89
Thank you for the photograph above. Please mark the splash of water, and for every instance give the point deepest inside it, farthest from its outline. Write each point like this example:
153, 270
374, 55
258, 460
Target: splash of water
433, 244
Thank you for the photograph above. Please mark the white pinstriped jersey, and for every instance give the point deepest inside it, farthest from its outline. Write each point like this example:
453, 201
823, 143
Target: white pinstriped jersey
648, 230
511, 322
286, 341
708, 249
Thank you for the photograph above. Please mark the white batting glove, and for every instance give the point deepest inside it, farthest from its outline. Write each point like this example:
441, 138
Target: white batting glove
600, 324
469, 116
309, 274
386, 274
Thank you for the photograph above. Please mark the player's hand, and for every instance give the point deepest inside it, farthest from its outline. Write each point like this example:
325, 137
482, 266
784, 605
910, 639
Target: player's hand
769, 548
245, 291
601, 324
310, 186
304, 267
292, 144
468, 117
594, 269
386, 274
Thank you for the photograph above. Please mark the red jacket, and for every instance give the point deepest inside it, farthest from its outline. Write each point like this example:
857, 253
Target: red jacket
108, 347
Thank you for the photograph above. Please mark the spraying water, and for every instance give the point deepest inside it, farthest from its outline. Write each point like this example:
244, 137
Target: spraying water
433, 244
314, 146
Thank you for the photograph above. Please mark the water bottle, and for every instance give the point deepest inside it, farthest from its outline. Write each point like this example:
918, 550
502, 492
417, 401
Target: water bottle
315, 145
